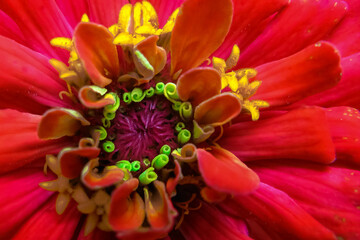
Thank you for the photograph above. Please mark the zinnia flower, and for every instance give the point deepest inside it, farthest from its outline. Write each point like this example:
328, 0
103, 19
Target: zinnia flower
142, 119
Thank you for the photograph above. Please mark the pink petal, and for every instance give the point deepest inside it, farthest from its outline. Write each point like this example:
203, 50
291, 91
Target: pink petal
299, 134
39, 26
210, 223
105, 12
344, 123
27, 77
9, 29
224, 172
275, 211
300, 24
348, 31
329, 194
73, 10
46, 224
192, 30
310, 71
18, 189
20, 144
249, 20
346, 93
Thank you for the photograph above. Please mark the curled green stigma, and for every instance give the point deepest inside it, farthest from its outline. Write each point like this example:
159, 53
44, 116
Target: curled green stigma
185, 111
146, 161
108, 146
109, 115
102, 131
113, 107
160, 161
124, 164
149, 92
179, 126
184, 136
176, 105
159, 88
135, 166
170, 92
166, 149
148, 176
127, 97
137, 95
106, 122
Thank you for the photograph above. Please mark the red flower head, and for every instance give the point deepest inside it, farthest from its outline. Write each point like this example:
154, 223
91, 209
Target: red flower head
142, 119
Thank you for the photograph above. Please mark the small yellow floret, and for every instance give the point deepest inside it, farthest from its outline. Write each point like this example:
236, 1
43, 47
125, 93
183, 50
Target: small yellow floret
85, 18
62, 42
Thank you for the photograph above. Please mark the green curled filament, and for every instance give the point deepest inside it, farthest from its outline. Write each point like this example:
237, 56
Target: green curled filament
160, 161
137, 95
159, 88
106, 122
102, 131
113, 107
135, 166
127, 97
185, 111
124, 164
148, 176
179, 126
146, 161
170, 92
166, 149
184, 136
108, 146
149, 92
176, 105
109, 115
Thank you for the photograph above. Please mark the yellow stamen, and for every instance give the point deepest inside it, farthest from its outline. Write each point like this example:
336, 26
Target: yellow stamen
62, 42
85, 18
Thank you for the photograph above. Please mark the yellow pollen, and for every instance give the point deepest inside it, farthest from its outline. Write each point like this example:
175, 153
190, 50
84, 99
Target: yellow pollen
239, 82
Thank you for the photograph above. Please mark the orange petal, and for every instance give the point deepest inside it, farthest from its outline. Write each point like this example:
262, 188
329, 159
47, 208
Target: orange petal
126, 212
60, 122
159, 211
94, 45
173, 181
212, 196
91, 97
73, 160
217, 110
95, 180
199, 30
199, 84
155, 55
224, 172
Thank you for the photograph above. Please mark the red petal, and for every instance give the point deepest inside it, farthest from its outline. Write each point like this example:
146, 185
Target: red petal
224, 172
172, 182
310, 71
276, 212
60, 122
105, 12
209, 25
73, 10
18, 189
249, 20
314, 19
198, 84
217, 110
46, 224
93, 180
160, 213
126, 212
210, 223
39, 28
344, 123
346, 93
73, 161
299, 134
212, 196
27, 77
97, 52
346, 33
20, 144
329, 194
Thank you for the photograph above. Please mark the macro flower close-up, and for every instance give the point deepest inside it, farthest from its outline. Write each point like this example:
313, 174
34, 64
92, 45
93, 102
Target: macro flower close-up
180, 119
